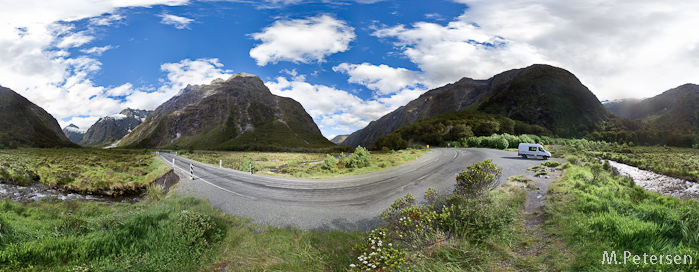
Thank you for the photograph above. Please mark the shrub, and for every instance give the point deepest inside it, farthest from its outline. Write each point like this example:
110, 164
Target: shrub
552, 163
379, 254
360, 158
414, 225
502, 143
343, 159
329, 162
478, 178
474, 142
573, 159
475, 218
196, 229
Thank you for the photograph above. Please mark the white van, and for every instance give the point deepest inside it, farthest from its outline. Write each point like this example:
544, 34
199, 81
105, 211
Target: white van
533, 150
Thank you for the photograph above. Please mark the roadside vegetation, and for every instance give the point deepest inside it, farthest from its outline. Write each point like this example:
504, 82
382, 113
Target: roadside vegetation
168, 234
82, 170
309, 165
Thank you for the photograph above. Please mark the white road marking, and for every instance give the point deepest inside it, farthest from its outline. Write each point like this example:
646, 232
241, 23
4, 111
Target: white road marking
219, 187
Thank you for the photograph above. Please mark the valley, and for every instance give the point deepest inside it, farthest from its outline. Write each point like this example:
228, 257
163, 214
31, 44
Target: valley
270, 192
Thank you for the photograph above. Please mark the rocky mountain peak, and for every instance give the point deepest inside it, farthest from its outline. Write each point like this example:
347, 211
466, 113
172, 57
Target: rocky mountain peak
237, 113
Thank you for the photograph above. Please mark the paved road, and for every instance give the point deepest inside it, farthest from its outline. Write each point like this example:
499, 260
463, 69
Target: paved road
345, 203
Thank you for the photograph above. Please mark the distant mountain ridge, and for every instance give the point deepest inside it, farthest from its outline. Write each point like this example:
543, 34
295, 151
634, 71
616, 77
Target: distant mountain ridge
112, 128
541, 95
234, 114
23, 123
74, 133
675, 110
339, 139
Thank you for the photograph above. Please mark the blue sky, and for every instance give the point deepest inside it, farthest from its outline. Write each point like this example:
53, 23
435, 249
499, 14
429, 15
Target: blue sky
347, 62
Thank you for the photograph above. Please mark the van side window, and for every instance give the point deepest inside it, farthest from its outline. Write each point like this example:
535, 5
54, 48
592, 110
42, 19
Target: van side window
541, 150
532, 148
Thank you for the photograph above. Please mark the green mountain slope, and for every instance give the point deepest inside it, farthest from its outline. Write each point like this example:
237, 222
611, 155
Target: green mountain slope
236, 114
24, 124
550, 97
540, 95
675, 110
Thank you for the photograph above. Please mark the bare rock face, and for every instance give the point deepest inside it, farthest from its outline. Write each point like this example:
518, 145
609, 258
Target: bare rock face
112, 128
23, 123
233, 114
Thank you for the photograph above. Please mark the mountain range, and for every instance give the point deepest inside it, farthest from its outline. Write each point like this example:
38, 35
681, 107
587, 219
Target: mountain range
239, 113
74, 133
674, 110
113, 128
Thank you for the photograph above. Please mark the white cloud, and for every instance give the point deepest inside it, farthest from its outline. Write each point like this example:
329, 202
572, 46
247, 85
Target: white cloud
35, 37
106, 20
98, 51
381, 78
618, 49
84, 123
338, 111
179, 75
302, 40
176, 21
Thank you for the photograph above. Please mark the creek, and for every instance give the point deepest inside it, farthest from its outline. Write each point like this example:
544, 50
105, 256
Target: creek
659, 183
38, 191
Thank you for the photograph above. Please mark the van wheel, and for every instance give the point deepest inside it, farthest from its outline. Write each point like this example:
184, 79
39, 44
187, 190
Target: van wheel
524, 156
546, 157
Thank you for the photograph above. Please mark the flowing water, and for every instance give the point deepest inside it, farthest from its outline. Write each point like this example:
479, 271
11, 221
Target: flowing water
38, 191
659, 183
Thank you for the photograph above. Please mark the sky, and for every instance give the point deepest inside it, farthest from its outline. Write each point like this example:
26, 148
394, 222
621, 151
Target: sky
347, 62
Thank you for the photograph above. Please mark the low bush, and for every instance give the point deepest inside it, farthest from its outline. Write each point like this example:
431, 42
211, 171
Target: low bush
475, 218
478, 178
552, 164
329, 163
360, 158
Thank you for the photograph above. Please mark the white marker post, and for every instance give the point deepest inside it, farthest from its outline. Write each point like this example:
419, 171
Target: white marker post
191, 171
220, 163
173, 162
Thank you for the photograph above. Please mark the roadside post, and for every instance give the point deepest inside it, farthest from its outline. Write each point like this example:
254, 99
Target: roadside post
220, 163
191, 171
173, 162
250, 168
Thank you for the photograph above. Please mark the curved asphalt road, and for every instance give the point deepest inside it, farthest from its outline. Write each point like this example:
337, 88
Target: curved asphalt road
345, 203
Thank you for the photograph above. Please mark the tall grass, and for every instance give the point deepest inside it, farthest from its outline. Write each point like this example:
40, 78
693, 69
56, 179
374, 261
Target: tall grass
85, 170
605, 212
170, 234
